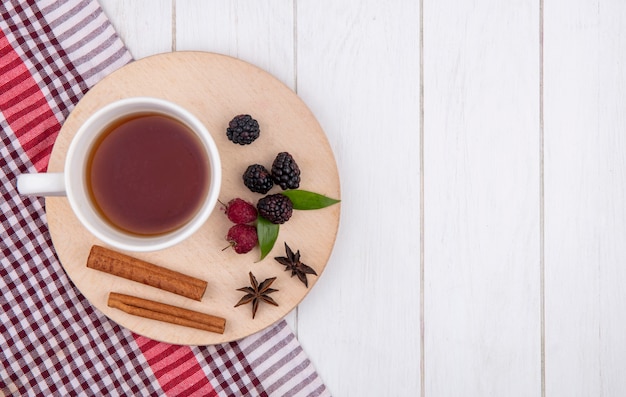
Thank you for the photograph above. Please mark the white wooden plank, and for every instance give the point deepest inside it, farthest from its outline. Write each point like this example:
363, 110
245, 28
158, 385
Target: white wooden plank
145, 26
358, 69
257, 32
585, 189
481, 198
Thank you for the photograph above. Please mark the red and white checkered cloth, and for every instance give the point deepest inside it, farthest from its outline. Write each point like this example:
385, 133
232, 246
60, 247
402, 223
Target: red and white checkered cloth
53, 342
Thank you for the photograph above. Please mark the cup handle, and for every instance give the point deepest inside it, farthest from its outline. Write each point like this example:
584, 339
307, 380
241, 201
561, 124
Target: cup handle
41, 184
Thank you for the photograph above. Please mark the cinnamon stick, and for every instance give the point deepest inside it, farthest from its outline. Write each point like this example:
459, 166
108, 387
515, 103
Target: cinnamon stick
167, 313
125, 266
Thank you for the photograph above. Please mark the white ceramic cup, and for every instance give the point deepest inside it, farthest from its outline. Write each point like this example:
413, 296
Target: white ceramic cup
73, 181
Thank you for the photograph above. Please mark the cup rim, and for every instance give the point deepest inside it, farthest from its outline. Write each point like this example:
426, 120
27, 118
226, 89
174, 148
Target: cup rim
85, 212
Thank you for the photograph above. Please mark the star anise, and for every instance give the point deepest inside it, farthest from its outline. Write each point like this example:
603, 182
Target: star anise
292, 262
257, 292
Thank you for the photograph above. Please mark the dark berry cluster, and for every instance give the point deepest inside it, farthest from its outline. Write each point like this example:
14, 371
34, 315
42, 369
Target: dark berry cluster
258, 179
276, 208
285, 173
243, 129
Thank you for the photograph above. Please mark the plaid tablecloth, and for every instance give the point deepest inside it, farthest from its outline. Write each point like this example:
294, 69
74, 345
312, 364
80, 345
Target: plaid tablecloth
53, 342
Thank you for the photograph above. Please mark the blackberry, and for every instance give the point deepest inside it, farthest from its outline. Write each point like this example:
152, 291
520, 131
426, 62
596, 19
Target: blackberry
285, 171
276, 208
258, 179
243, 129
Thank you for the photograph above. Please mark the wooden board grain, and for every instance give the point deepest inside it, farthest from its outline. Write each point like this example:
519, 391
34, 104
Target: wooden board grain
215, 88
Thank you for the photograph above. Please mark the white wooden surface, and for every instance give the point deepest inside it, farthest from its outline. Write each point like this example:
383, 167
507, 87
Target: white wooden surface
482, 245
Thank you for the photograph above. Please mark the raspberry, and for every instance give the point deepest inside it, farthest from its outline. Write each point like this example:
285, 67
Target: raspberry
258, 179
243, 129
240, 211
242, 238
285, 171
276, 208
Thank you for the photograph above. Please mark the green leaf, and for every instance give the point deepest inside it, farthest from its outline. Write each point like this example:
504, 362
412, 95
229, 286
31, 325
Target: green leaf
305, 200
267, 233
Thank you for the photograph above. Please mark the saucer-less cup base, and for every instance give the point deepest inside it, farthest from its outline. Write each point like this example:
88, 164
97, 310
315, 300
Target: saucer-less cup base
72, 182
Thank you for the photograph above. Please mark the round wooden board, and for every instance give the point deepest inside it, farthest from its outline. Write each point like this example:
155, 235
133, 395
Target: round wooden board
215, 88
